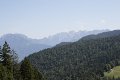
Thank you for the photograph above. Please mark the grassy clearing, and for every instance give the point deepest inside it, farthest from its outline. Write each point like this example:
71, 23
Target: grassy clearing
114, 72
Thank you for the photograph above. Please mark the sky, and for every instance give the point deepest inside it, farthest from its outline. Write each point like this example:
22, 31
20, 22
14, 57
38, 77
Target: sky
41, 18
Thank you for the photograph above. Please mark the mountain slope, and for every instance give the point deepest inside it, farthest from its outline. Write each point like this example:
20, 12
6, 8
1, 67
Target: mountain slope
63, 43
81, 60
102, 35
22, 44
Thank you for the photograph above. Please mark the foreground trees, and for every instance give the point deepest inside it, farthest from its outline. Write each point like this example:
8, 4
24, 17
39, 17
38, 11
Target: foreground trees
28, 72
11, 70
6, 62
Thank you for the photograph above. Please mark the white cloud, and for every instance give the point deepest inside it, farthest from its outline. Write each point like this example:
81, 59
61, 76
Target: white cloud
103, 21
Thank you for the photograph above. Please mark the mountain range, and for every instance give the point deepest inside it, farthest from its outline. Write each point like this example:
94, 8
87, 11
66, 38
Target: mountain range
71, 36
25, 46
22, 45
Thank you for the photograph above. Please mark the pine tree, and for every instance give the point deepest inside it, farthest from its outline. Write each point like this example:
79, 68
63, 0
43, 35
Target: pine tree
15, 63
7, 60
3, 74
37, 75
26, 70
6, 55
0, 55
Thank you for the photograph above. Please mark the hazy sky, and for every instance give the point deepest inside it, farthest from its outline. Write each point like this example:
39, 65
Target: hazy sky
39, 18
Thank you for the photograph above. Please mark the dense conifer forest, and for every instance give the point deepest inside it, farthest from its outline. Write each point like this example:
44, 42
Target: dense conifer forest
86, 59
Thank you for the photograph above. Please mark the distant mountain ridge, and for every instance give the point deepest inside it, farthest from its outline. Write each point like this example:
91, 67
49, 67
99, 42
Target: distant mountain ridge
25, 46
22, 44
102, 35
71, 36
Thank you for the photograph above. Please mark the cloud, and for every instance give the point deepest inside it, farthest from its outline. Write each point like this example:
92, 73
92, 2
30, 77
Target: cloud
103, 21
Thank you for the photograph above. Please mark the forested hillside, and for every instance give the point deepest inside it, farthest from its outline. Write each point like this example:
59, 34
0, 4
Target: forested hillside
85, 59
